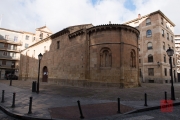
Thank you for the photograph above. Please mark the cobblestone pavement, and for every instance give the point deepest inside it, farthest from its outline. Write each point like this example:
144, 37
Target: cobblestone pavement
154, 91
53, 96
148, 115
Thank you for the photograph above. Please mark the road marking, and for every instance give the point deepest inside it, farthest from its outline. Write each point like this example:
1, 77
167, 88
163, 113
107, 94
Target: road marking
142, 117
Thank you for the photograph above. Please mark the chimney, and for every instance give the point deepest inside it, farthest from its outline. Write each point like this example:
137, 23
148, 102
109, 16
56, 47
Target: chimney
109, 22
139, 16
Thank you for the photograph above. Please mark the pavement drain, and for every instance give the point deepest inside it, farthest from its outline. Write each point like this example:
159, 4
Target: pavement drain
89, 111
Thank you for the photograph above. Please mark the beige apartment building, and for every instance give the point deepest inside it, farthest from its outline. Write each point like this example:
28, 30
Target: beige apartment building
177, 45
11, 44
156, 36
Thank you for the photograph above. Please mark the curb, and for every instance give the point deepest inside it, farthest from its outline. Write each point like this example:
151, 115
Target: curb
149, 108
22, 117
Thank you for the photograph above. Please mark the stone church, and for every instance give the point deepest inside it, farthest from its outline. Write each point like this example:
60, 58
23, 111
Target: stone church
85, 55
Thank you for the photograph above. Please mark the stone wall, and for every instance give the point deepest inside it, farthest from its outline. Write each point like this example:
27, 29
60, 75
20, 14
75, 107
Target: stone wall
79, 60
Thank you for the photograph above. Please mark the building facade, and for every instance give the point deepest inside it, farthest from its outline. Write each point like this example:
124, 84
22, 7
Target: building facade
85, 55
177, 45
11, 43
156, 36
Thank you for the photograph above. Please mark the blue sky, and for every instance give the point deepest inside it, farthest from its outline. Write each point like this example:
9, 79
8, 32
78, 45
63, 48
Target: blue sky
27, 15
130, 5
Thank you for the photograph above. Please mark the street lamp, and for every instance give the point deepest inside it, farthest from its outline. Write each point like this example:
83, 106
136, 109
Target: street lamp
39, 57
170, 53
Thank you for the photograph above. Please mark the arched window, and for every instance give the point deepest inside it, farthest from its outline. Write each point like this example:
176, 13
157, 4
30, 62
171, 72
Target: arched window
150, 58
148, 33
149, 46
148, 21
105, 57
133, 58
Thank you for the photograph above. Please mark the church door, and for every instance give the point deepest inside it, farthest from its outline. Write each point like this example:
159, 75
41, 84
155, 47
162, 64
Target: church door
45, 74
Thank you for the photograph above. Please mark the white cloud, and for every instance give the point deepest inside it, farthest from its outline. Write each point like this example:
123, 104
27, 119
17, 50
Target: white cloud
59, 14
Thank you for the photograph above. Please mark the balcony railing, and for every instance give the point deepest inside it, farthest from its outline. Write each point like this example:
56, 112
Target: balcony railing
10, 49
9, 58
11, 42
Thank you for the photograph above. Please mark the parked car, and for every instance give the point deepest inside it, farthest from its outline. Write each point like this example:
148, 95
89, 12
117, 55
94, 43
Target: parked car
11, 77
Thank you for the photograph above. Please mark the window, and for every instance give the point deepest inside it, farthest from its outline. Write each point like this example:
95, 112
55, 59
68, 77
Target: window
12, 54
5, 45
149, 46
167, 36
165, 71
44, 49
139, 47
15, 47
15, 38
168, 46
148, 21
139, 60
163, 33
105, 57
41, 36
164, 45
167, 25
27, 37
165, 58
3, 62
33, 38
151, 71
6, 37
58, 44
148, 33
150, 58
133, 58
26, 45
162, 21
5, 53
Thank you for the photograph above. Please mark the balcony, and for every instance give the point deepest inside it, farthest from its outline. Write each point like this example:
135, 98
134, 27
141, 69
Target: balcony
9, 41
10, 49
9, 58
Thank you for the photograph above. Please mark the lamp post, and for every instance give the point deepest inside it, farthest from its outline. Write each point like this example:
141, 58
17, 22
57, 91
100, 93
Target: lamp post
39, 57
170, 53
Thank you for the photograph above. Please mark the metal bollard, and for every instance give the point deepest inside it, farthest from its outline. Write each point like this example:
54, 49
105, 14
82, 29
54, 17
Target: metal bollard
165, 93
80, 109
118, 106
145, 98
30, 106
13, 102
2, 96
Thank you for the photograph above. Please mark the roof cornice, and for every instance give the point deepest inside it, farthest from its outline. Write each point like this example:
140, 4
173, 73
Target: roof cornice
156, 12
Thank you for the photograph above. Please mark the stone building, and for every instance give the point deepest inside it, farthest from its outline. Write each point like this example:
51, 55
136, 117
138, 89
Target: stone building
12, 42
156, 36
85, 55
